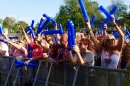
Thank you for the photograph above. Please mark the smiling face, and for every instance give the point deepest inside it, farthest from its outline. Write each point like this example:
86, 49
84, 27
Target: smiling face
64, 39
110, 41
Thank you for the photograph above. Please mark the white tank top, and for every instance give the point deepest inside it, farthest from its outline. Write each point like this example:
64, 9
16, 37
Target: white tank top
109, 61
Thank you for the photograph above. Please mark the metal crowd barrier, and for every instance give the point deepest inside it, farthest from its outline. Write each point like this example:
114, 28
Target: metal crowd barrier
66, 74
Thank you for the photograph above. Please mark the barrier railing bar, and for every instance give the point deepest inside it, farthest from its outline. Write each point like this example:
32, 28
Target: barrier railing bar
37, 73
23, 77
129, 78
46, 83
16, 77
95, 67
91, 67
51, 83
87, 76
4, 72
6, 82
98, 67
75, 75
106, 77
103, 68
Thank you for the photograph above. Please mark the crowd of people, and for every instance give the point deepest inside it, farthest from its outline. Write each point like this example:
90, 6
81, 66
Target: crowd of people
103, 50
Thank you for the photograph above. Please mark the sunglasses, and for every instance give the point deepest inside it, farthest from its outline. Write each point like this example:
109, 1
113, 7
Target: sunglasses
109, 40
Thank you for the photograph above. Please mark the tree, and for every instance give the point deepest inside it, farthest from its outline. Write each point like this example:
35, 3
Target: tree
17, 26
122, 8
126, 19
9, 23
1, 22
71, 10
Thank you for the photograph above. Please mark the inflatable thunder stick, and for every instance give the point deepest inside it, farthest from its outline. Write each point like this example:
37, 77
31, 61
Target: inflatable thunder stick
85, 15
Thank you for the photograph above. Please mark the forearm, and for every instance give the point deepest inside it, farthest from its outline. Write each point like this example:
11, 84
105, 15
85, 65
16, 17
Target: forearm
80, 59
36, 58
71, 58
118, 30
15, 45
25, 35
96, 43
104, 33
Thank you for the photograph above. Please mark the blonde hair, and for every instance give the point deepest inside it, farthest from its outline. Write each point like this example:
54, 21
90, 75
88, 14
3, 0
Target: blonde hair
104, 44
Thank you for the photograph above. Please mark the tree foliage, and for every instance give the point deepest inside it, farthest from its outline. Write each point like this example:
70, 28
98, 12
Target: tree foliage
71, 10
126, 19
11, 24
122, 8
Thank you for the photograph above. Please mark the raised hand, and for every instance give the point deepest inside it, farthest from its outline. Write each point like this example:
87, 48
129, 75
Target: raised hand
22, 28
76, 49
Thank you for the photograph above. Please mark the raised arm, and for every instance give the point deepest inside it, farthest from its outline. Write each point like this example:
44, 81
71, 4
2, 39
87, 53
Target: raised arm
121, 39
57, 35
25, 35
95, 41
10, 42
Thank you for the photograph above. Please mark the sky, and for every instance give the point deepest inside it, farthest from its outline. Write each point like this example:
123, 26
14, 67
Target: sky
28, 10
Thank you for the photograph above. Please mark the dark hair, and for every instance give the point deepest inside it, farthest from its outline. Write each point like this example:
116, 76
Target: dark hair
87, 41
55, 50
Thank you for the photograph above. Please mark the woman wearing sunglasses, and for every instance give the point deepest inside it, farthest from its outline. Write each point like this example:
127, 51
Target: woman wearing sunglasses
110, 48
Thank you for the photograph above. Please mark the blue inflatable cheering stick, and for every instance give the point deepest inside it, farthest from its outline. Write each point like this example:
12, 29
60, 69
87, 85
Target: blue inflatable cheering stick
32, 24
21, 63
71, 35
32, 32
53, 21
127, 35
92, 21
116, 34
106, 13
13, 37
1, 30
29, 49
85, 15
1, 40
39, 30
40, 24
111, 13
60, 31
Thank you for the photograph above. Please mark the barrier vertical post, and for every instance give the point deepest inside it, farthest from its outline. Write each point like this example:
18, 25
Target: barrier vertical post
35, 79
75, 75
6, 82
46, 83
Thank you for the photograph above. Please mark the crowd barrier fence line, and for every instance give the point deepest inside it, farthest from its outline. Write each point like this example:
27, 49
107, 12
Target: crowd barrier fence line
67, 74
